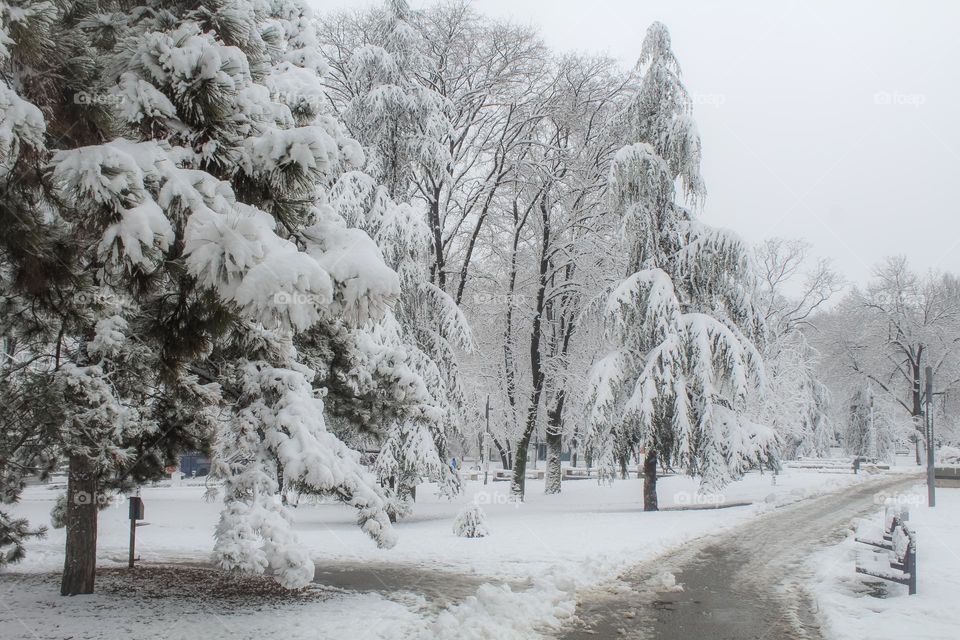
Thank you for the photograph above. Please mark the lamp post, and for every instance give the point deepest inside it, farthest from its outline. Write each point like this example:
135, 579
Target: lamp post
484, 453
931, 470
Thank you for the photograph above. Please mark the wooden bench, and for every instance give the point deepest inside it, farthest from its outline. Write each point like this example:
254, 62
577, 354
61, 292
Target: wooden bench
578, 473
836, 465
900, 564
947, 476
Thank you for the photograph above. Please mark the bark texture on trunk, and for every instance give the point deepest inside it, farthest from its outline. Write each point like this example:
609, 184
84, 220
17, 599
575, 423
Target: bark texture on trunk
917, 397
519, 481
80, 563
553, 474
650, 481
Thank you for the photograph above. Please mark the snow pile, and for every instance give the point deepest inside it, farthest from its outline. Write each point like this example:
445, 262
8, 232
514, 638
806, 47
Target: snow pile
471, 523
499, 612
668, 582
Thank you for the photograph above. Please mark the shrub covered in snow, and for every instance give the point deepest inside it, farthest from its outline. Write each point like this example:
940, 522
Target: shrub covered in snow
471, 523
948, 455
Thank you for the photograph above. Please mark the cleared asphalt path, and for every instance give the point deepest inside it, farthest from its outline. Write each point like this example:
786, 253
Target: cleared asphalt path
740, 585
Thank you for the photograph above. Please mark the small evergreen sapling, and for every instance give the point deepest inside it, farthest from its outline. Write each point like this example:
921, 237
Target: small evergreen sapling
471, 522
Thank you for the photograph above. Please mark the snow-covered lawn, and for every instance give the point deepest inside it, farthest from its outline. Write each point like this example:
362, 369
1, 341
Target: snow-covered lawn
858, 606
536, 557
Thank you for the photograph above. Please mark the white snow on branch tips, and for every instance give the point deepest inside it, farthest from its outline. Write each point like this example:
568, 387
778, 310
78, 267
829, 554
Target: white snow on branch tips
238, 254
453, 324
310, 151
363, 285
140, 99
113, 177
21, 123
280, 433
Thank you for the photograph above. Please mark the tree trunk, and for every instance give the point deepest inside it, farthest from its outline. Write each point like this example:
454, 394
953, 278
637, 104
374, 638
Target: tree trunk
554, 450
519, 481
280, 486
650, 481
554, 445
504, 454
438, 271
518, 484
80, 563
917, 396
623, 468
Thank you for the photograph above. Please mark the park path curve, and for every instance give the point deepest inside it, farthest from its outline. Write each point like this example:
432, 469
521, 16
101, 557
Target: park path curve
744, 584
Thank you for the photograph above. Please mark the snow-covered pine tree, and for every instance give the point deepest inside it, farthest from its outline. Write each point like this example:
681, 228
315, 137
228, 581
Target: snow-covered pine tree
795, 401
681, 322
201, 234
471, 522
28, 435
268, 244
868, 430
402, 123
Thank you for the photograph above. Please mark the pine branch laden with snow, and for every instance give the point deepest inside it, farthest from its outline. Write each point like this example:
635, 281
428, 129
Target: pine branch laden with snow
279, 433
682, 320
471, 522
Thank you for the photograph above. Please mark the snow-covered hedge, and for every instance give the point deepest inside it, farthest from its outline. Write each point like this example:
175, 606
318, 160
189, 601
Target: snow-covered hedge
948, 455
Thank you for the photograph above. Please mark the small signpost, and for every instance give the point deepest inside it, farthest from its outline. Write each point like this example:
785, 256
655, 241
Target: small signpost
136, 513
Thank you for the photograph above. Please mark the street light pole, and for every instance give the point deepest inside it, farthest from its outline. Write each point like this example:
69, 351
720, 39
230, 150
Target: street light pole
486, 434
931, 477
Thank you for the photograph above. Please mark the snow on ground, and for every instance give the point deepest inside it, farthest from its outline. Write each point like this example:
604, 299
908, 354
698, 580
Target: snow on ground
537, 555
859, 606
190, 607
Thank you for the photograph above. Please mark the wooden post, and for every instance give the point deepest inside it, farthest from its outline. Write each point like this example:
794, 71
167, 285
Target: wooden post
133, 541
136, 513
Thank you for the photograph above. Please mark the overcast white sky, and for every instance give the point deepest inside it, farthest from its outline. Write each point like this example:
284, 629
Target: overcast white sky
834, 121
